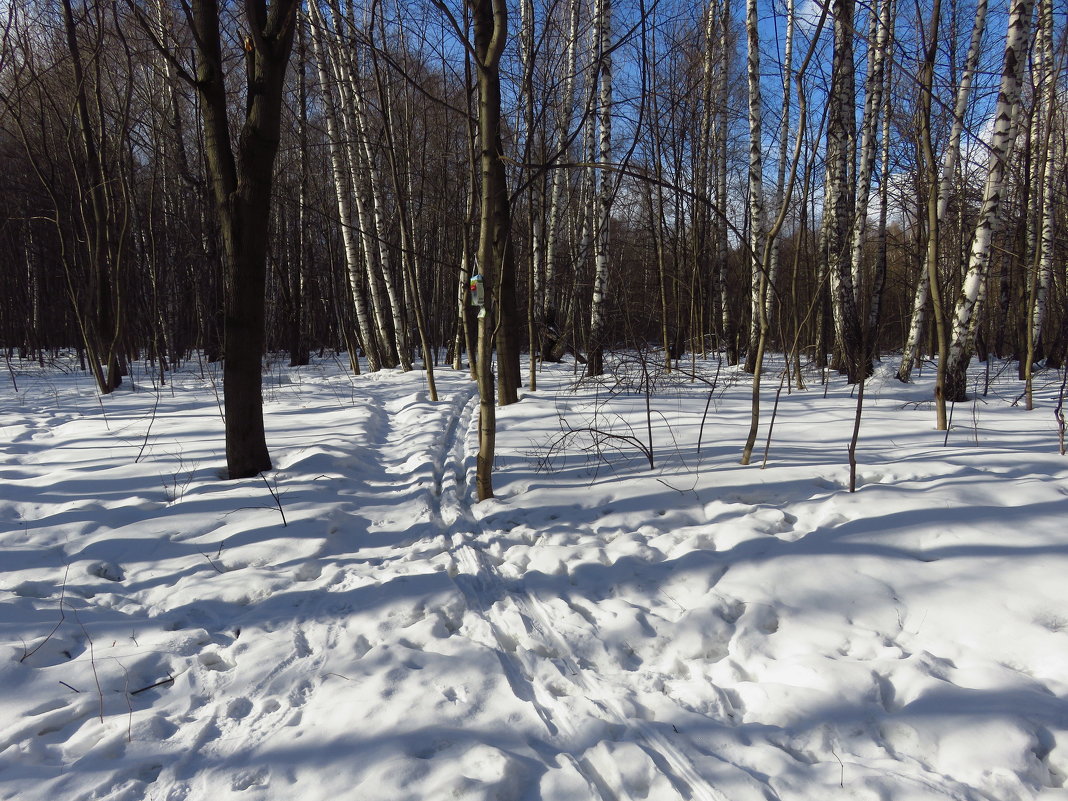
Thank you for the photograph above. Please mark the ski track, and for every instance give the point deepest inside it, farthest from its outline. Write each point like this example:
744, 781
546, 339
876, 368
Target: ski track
488, 592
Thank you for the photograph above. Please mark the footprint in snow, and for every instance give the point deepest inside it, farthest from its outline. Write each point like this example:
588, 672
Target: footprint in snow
300, 645
245, 779
106, 570
213, 661
239, 708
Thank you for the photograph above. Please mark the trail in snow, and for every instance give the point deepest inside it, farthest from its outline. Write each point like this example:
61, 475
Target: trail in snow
545, 671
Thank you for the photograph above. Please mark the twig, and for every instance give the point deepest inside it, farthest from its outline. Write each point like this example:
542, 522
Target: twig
129, 703
160, 683
1058, 412
72, 689
11, 371
62, 616
701, 430
949, 423
841, 783
856, 435
774, 414
277, 500
148, 431
103, 412
92, 661
217, 554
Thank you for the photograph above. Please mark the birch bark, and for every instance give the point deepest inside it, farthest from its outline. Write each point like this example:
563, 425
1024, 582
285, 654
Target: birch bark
1046, 91
950, 162
757, 282
343, 190
840, 193
602, 217
1000, 146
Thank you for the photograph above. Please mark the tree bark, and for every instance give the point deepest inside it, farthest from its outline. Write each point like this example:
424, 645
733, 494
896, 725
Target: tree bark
840, 193
1001, 144
241, 184
950, 160
495, 256
757, 277
603, 213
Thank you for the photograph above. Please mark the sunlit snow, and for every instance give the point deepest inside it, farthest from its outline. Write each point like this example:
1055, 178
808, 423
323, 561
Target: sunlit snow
352, 625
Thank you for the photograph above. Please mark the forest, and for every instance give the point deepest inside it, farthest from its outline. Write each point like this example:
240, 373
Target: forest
375, 374
837, 182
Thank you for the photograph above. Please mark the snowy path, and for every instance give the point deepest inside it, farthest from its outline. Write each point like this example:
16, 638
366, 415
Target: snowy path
568, 697
704, 631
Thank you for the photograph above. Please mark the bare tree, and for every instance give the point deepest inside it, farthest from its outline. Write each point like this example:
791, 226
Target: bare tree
1046, 90
926, 291
757, 233
241, 181
496, 260
839, 194
606, 187
1002, 139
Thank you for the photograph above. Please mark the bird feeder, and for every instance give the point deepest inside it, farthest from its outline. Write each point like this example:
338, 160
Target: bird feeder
477, 291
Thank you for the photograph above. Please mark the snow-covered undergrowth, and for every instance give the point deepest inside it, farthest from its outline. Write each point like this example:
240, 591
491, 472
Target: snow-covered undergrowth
600, 630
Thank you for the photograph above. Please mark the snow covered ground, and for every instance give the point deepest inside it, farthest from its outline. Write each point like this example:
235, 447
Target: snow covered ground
602, 631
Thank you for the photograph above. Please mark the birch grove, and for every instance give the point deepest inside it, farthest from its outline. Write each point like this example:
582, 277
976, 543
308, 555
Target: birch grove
655, 182
1002, 139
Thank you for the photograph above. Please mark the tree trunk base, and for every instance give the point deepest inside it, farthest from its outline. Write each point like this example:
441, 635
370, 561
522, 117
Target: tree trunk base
956, 388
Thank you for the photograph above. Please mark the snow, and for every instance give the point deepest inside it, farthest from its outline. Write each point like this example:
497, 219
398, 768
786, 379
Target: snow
353, 625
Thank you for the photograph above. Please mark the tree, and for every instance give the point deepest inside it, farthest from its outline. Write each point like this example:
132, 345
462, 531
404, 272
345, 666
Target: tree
839, 193
241, 181
1002, 139
606, 188
496, 260
925, 287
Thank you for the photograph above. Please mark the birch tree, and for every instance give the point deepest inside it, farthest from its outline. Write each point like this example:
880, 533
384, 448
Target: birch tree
605, 188
927, 293
1000, 147
560, 141
879, 37
839, 194
757, 277
1046, 91
343, 192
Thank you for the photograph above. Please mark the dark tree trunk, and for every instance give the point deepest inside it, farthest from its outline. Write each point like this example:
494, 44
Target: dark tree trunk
496, 258
241, 186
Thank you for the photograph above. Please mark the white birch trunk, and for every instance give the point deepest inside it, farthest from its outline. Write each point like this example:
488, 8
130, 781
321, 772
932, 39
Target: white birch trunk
559, 176
950, 162
1000, 145
756, 184
879, 284
839, 195
879, 35
348, 130
605, 188
537, 188
374, 185
343, 191
784, 147
1048, 92
359, 194
721, 136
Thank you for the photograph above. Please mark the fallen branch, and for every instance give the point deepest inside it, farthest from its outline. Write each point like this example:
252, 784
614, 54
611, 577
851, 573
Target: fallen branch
160, 683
